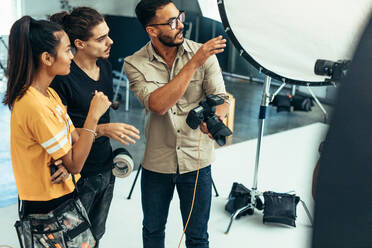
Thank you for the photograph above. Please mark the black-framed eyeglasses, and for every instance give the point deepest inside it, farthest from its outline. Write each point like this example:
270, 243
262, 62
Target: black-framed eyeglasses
173, 21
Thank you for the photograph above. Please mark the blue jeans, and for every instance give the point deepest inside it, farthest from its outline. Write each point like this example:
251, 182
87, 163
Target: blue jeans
157, 192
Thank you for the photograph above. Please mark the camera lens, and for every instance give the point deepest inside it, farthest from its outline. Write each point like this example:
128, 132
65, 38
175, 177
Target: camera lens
123, 163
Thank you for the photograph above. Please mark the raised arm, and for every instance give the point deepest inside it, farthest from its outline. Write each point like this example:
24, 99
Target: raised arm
163, 98
75, 158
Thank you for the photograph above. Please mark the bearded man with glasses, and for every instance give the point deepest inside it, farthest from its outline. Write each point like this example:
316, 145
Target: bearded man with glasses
170, 75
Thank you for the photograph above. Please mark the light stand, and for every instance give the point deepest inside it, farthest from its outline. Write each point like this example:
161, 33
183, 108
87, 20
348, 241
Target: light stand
261, 123
255, 194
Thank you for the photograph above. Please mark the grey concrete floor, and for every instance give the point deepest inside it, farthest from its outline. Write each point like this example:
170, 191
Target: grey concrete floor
248, 98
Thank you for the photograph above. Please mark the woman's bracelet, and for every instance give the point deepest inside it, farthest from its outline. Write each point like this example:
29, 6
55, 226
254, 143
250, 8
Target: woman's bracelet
90, 130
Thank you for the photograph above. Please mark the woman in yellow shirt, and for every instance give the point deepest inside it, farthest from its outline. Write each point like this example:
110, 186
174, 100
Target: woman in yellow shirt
41, 130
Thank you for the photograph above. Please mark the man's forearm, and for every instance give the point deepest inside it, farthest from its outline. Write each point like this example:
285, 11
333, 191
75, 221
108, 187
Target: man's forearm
162, 99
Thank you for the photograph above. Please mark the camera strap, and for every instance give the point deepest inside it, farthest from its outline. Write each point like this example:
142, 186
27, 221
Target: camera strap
21, 209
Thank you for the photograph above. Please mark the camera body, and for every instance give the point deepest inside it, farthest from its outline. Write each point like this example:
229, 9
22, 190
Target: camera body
123, 163
335, 70
206, 111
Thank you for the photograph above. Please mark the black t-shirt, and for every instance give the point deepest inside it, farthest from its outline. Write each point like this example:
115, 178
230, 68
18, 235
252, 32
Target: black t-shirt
76, 90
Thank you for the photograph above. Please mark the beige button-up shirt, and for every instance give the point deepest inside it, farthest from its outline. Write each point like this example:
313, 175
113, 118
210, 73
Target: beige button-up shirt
170, 142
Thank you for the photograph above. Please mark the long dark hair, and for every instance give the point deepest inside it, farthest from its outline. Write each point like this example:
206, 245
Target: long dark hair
79, 23
28, 39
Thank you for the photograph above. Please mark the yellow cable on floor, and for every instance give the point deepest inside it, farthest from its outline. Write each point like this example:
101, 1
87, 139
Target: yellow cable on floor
193, 198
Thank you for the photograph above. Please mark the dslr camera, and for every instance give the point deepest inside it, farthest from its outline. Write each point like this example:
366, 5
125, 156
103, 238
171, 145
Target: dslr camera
206, 111
123, 163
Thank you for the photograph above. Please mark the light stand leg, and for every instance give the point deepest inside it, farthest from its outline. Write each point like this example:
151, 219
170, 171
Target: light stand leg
215, 188
319, 103
134, 182
307, 211
236, 213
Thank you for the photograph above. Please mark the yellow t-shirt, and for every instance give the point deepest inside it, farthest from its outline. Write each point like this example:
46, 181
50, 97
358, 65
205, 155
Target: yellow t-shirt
40, 130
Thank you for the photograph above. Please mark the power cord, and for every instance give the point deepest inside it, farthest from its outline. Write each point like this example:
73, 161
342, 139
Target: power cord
193, 197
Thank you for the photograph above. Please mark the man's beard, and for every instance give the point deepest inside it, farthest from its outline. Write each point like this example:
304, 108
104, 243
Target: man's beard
169, 42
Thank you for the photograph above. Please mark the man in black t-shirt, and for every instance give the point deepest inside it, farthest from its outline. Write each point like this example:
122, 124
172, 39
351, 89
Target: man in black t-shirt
90, 72
76, 90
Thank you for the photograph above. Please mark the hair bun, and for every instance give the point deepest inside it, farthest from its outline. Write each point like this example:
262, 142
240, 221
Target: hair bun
59, 18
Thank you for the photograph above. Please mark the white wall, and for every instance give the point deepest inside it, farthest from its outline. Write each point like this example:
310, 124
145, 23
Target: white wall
42, 8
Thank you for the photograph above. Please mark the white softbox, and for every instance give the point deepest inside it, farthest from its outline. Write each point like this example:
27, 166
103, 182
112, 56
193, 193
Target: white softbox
283, 39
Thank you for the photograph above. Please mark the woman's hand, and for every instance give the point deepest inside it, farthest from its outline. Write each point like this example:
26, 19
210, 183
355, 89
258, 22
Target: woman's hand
61, 174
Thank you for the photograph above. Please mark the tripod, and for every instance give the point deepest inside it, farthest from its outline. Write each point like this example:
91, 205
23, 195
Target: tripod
256, 202
135, 180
